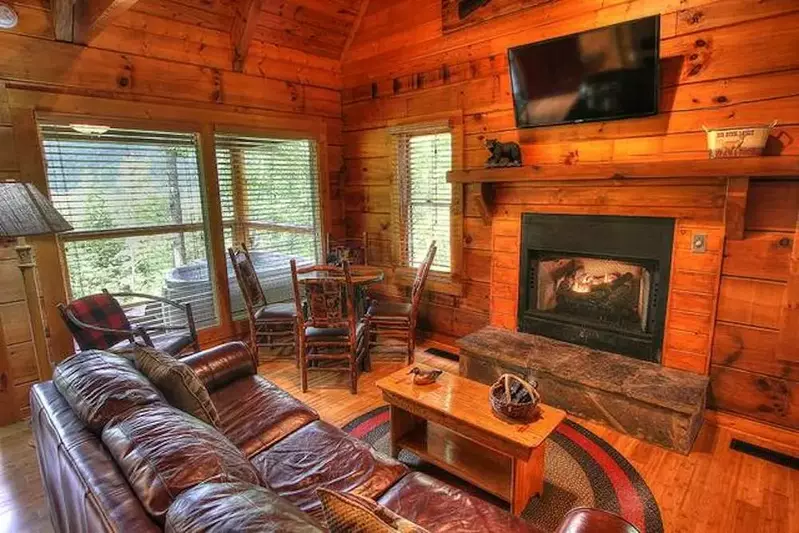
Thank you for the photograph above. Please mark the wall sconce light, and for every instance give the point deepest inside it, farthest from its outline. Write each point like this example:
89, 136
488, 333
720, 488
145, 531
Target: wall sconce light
8, 17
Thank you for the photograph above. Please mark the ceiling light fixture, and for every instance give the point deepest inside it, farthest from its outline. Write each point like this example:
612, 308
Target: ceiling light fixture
90, 129
8, 17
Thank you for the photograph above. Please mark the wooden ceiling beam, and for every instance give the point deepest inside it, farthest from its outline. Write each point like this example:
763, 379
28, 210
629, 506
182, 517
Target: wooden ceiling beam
355, 25
62, 19
93, 16
248, 12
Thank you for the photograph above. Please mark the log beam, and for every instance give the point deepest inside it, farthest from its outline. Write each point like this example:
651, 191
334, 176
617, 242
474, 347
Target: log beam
62, 19
244, 23
93, 16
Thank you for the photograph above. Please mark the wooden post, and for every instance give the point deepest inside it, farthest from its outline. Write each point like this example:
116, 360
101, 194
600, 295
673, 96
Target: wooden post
214, 230
788, 346
28, 267
8, 413
735, 207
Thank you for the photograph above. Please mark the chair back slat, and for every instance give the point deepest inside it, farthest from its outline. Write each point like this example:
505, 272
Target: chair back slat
355, 251
421, 278
247, 278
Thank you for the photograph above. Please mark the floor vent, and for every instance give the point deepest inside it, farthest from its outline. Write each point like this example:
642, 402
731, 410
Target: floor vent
765, 453
443, 353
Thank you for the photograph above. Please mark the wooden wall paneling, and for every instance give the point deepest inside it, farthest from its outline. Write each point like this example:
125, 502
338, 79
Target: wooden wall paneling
772, 206
750, 301
767, 398
735, 208
7, 413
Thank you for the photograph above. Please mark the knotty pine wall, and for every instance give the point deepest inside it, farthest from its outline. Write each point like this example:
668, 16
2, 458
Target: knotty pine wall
161, 52
723, 63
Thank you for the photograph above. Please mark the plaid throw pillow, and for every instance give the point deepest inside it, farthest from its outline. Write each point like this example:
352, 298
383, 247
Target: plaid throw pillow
102, 310
350, 513
178, 383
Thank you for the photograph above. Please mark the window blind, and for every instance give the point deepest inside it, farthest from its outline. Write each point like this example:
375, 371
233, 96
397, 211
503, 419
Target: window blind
425, 197
135, 200
270, 201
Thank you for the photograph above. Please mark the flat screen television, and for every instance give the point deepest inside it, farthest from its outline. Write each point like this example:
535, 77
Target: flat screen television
604, 74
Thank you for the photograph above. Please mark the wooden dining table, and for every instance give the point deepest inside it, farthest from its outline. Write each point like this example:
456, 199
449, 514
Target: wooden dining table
361, 274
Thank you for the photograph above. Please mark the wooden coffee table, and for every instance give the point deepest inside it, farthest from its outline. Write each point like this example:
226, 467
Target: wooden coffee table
450, 424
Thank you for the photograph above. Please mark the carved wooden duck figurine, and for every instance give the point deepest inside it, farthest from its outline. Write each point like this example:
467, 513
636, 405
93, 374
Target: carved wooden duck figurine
424, 377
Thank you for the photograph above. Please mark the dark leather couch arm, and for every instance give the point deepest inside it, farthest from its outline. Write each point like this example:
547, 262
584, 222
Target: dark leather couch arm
586, 520
223, 364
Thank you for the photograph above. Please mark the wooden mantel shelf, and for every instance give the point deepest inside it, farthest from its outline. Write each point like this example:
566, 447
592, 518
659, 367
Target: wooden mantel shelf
741, 167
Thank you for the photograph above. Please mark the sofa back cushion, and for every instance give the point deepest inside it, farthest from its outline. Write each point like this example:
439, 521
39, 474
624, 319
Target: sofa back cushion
100, 386
163, 451
240, 507
177, 382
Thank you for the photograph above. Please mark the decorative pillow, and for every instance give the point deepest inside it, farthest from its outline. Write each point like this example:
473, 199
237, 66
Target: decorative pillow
99, 386
178, 383
235, 507
163, 451
350, 513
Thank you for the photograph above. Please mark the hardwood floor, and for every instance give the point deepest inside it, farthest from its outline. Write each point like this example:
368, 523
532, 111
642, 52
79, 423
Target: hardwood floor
714, 489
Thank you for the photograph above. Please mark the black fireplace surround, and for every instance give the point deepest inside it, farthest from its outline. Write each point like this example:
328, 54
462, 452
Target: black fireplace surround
599, 281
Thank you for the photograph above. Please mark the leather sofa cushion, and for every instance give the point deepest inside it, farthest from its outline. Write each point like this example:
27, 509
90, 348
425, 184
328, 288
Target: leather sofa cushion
345, 513
255, 413
162, 451
583, 519
85, 489
239, 507
222, 365
177, 382
321, 455
100, 386
442, 508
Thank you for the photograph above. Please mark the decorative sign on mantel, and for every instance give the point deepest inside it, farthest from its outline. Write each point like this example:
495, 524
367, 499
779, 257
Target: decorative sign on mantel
458, 14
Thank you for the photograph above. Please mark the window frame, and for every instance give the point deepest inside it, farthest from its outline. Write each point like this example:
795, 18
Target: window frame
240, 226
449, 283
203, 226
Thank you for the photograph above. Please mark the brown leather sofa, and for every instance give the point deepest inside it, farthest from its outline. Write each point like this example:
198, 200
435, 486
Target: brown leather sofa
114, 456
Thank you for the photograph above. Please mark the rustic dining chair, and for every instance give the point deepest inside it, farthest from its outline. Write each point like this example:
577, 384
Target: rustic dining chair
397, 320
329, 330
99, 322
353, 250
272, 326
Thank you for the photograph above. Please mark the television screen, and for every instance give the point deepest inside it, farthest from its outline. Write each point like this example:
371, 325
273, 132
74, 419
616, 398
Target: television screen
604, 74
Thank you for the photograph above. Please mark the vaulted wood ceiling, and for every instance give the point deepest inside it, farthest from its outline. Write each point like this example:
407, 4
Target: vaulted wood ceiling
319, 27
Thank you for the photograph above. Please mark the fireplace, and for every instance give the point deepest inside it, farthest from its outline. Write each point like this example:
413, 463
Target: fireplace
599, 281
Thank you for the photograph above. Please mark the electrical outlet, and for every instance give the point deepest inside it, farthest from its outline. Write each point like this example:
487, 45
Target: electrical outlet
699, 243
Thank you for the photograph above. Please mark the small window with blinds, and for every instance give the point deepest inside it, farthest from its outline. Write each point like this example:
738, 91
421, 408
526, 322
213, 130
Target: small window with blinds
269, 190
425, 197
135, 200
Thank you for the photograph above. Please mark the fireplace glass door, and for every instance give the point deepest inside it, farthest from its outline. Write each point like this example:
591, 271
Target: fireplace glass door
606, 292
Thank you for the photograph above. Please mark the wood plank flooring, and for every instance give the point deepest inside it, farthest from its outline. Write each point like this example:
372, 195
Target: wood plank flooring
714, 489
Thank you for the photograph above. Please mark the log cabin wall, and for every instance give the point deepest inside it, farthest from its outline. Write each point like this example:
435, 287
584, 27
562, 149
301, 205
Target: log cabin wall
723, 63
169, 61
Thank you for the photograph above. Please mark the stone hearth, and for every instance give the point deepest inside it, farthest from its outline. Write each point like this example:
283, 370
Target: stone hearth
645, 400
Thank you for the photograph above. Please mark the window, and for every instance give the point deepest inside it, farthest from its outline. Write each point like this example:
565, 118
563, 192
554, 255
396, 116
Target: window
270, 201
135, 200
425, 197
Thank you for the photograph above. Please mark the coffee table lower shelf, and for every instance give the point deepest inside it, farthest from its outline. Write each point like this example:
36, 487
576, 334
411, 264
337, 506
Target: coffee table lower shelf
458, 455
512, 479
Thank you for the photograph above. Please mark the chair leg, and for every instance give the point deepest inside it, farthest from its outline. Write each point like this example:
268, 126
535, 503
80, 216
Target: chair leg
303, 365
411, 346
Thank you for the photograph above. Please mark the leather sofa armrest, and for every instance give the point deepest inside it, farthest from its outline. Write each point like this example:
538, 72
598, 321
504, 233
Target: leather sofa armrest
586, 520
223, 364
